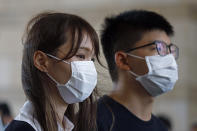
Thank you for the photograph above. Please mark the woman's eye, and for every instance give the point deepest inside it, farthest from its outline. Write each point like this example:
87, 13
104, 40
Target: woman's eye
80, 56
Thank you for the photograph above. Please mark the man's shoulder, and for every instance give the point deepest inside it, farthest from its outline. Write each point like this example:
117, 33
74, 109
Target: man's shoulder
103, 107
104, 114
16, 125
159, 124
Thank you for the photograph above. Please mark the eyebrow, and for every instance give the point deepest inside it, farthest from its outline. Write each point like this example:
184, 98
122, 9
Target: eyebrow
89, 50
85, 48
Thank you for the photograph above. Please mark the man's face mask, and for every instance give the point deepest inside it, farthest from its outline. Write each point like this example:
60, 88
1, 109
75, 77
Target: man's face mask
163, 70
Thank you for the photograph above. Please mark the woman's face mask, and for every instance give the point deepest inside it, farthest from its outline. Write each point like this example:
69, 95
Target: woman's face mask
75, 78
81, 84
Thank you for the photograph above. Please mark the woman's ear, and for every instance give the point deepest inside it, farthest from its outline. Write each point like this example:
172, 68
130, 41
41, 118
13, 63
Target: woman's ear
41, 61
121, 60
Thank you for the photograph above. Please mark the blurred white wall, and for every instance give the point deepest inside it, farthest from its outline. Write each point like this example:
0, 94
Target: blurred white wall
180, 104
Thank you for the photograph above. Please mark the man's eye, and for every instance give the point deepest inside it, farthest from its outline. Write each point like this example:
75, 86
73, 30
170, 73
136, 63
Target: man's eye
81, 56
153, 48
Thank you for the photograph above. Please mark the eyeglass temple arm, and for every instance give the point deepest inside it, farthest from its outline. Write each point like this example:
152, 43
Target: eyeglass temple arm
140, 47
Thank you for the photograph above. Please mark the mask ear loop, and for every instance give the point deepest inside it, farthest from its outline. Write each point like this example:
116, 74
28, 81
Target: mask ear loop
53, 79
139, 57
56, 59
134, 74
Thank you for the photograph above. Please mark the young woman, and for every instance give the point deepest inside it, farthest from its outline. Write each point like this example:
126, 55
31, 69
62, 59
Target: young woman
58, 75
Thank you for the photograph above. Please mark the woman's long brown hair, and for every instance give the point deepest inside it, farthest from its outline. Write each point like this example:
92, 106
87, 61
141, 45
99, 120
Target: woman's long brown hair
46, 32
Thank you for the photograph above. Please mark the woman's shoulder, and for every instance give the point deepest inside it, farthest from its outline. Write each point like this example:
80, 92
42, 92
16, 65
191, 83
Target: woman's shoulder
16, 125
25, 120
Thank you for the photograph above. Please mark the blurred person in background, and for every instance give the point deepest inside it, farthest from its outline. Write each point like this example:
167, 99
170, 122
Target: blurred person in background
194, 127
5, 116
142, 64
58, 74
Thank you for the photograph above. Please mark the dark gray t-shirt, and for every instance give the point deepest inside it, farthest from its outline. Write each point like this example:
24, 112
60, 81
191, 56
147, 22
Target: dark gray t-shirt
114, 116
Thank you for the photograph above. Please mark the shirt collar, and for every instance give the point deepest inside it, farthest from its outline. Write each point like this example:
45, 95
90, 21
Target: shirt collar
26, 115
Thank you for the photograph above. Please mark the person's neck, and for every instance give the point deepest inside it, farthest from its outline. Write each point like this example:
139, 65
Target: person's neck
58, 104
134, 97
60, 108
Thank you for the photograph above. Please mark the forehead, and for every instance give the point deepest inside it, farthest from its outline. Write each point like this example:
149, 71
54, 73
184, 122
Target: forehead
153, 35
86, 43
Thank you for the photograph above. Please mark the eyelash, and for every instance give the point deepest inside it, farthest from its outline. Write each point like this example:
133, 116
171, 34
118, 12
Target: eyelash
153, 48
80, 56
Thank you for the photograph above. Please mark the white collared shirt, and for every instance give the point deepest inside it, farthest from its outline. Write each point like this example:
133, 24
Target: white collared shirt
26, 115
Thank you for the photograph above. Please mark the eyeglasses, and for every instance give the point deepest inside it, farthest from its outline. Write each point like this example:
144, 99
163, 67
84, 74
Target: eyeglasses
162, 48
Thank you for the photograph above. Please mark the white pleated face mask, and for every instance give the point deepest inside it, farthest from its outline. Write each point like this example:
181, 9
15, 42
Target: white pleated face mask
81, 84
162, 75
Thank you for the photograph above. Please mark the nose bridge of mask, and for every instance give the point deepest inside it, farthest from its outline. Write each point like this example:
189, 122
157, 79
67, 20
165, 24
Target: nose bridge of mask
156, 62
86, 77
159, 62
85, 73
82, 67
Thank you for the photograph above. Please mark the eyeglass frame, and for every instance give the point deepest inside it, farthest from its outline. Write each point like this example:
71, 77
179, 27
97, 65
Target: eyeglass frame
154, 42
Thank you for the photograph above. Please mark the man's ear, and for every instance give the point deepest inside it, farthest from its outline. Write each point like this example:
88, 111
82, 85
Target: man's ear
41, 61
122, 60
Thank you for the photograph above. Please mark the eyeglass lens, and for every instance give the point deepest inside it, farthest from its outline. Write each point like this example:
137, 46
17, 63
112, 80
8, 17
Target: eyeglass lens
163, 49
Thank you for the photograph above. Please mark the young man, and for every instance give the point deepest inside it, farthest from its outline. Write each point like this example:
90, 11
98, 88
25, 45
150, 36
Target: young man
194, 127
142, 65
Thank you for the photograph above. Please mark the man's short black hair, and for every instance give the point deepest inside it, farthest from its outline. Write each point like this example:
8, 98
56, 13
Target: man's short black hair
4, 109
121, 32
